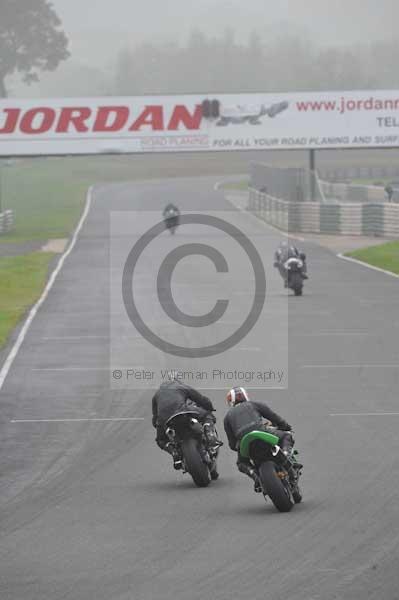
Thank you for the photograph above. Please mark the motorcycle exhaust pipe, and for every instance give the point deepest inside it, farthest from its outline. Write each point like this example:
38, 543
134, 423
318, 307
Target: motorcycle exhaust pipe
170, 433
282, 458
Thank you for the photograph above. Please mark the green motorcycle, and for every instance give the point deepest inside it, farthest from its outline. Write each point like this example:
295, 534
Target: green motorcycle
277, 473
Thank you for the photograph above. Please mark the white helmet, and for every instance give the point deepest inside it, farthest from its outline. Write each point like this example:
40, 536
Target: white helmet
173, 375
236, 395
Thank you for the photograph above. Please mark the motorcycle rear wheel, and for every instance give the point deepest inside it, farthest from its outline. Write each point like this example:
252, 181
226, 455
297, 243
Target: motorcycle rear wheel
274, 487
296, 284
198, 470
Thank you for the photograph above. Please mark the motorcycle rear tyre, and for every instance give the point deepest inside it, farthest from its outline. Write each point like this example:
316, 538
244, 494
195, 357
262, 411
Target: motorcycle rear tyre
198, 470
274, 488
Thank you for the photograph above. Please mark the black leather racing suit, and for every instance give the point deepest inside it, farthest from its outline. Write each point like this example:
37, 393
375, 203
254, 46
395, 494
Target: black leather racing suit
248, 416
172, 397
283, 253
170, 207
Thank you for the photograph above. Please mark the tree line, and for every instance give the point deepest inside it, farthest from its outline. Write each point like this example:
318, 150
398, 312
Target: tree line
225, 65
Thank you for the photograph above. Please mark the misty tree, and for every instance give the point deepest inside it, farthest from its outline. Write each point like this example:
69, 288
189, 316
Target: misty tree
196, 58
31, 39
123, 72
254, 62
380, 67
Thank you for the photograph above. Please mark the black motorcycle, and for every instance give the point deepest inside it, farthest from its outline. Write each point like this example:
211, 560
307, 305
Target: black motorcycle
293, 272
172, 220
190, 440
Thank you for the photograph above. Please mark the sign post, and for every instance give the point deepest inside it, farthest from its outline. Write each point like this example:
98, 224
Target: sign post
312, 174
1, 185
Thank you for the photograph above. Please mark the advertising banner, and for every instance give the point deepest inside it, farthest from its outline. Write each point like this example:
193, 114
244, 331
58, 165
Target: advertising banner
224, 122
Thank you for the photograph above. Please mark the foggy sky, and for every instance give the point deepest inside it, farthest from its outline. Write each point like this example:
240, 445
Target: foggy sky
99, 28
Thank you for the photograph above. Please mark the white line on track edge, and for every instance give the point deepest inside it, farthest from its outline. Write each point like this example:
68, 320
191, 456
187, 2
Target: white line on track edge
350, 366
76, 420
25, 328
370, 414
367, 265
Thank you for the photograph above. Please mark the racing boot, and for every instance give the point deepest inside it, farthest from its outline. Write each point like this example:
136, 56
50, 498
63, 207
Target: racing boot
257, 485
287, 448
212, 437
288, 451
214, 473
290, 464
245, 468
172, 450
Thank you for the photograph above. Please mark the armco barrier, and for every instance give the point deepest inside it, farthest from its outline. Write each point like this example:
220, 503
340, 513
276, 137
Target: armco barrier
380, 219
6, 221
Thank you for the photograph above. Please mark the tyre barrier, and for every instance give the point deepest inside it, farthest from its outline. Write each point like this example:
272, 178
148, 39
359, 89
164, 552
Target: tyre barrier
6, 221
379, 219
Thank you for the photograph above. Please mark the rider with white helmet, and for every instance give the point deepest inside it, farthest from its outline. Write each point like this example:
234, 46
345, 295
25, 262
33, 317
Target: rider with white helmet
244, 416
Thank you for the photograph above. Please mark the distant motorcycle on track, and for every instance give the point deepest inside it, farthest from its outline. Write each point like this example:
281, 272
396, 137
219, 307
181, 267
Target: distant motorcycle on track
294, 273
171, 217
198, 456
292, 267
276, 471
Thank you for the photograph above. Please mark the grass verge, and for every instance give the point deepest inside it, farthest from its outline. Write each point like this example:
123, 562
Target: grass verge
47, 195
22, 279
384, 256
236, 185
380, 182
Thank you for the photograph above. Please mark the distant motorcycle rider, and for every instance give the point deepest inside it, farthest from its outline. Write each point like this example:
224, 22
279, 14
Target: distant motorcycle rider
170, 208
244, 416
172, 397
284, 252
171, 217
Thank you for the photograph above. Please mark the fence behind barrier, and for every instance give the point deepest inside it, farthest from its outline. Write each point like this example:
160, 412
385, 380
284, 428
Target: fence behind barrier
351, 173
379, 219
303, 185
291, 184
6, 221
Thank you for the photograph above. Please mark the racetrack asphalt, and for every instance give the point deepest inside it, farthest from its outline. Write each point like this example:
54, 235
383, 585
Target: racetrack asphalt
92, 509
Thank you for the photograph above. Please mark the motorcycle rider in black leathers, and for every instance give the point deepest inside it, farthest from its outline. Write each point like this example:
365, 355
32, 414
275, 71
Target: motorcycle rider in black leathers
282, 254
244, 416
169, 208
172, 397
171, 217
